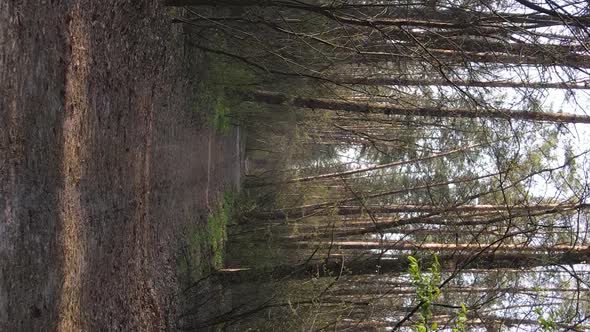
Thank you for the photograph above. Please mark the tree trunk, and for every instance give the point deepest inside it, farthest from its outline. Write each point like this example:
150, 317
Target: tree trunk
364, 291
384, 81
399, 264
476, 44
449, 18
243, 3
276, 98
368, 169
454, 247
392, 208
454, 56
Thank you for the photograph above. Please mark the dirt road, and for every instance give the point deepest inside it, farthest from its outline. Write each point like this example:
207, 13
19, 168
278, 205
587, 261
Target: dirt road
102, 165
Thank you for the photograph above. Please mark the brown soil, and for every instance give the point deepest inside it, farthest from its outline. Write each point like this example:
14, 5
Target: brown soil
102, 165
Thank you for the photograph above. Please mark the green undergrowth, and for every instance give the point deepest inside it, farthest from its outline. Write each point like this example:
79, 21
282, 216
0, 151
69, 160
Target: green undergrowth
204, 249
215, 98
217, 222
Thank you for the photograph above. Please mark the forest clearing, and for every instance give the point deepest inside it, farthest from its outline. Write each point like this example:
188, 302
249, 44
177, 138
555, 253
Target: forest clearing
295, 165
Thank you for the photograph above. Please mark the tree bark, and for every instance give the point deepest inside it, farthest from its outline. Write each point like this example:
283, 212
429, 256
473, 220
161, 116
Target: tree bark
454, 56
276, 98
383, 81
368, 169
409, 245
399, 264
392, 208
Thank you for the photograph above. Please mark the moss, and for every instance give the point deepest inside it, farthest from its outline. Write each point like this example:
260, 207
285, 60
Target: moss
214, 100
189, 262
204, 248
216, 229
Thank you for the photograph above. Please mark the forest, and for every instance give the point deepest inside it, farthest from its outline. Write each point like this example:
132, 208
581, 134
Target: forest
411, 165
295, 165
